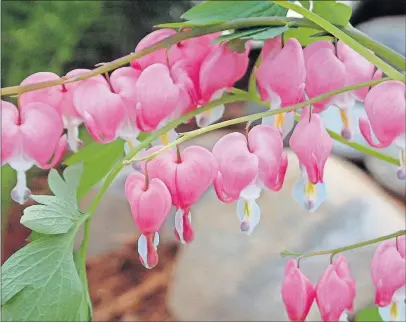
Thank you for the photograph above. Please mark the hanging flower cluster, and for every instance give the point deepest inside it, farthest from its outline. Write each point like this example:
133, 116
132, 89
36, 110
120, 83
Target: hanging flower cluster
336, 289
168, 83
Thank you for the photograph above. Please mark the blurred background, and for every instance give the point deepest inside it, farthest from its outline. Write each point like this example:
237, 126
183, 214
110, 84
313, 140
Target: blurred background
223, 275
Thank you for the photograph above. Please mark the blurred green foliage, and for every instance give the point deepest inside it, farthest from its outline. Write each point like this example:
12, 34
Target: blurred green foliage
59, 36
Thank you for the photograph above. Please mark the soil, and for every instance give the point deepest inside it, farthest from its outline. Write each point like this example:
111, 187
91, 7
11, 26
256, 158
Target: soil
121, 289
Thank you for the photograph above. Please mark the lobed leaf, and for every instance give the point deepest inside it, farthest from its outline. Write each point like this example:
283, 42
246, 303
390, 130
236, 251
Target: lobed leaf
40, 282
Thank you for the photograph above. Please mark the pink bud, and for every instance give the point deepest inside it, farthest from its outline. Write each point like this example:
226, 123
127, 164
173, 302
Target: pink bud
157, 95
25, 143
325, 72
187, 175
335, 291
388, 269
312, 153
281, 76
101, 109
150, 203
386, 111
298, 292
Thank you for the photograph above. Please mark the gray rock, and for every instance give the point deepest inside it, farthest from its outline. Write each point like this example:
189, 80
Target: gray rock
225, 275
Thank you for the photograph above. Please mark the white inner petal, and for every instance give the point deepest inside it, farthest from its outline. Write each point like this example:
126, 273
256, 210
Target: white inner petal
143, 249
179, 224
251, 192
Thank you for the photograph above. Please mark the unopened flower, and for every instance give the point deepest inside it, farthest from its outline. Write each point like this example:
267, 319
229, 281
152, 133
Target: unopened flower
246, 166
281, 80
150, 203
386, 110
335, 291
30, 136
187, 175
298, 293
312, 145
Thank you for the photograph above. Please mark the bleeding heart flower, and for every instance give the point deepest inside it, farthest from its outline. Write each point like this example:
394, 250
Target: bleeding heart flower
218, 72
150, 203
102, 110
24, 143
187, 175
281, 80
386, 110
388, 270
335, 291
298, 292
248, 166
123, 82
160, 56
310, 190
157, 95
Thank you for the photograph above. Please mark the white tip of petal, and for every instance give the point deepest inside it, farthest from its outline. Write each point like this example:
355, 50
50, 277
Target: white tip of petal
346, 134
393, 312
251, 192
308, 195
166, 138
21, 193
401, 173
249, 214
73, 138
143, 249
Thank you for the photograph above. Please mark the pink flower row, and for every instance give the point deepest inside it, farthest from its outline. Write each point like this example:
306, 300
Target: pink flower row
168, 83
336, 289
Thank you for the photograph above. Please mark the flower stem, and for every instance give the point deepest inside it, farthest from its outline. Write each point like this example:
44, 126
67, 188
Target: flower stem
335, 251
336, 32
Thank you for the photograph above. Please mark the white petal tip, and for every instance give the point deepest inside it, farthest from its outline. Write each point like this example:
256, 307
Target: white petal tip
346, 134
401, 174
21, 195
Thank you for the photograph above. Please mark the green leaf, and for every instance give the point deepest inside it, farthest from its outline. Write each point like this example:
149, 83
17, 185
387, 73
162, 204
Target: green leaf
97, 160
57, 217
40, 282
254, 34
304, 35
370, 314
268, 33
305, 4
209, 11
335, 13
59, 213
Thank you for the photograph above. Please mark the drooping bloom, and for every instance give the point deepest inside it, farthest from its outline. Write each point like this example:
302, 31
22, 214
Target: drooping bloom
389, 277
160, 56
123, 81
57, 97
246, 166
102, 110
218, 72
158, 97
386, 110
298, 293
187, 174
312, 145
335, 291
281, 79
70, 117
150, 203
30, 136
330, 68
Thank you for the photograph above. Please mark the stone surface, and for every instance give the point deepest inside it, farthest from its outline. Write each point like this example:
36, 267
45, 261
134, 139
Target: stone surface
385, 173
225, 275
